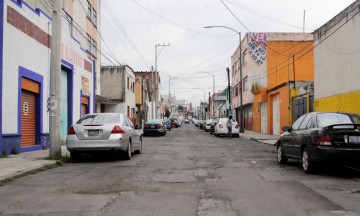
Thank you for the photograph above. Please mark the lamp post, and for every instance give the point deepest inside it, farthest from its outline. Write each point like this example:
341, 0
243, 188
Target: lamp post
213, 107
240, 70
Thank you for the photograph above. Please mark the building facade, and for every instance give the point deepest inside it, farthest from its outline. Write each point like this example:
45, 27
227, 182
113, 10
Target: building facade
142, 95
25, 29
154, 83
337, 62
277, 75
118, 88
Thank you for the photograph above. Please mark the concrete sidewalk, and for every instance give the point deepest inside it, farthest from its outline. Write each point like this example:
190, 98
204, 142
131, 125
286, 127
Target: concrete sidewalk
14, 166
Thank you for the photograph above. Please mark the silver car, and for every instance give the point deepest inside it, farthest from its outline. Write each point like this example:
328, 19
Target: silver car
103, 132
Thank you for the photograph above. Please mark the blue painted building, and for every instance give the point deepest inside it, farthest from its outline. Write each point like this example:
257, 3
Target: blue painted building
25, 36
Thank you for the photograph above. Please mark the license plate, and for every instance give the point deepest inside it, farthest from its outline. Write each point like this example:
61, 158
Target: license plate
152, 126
354, 139
93, 132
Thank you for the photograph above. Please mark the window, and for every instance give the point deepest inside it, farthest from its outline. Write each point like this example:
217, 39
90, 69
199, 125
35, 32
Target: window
94, 17
89, 45
305, 123
94, 48
69, 19
297, 123
245, 57
88, 15
245, 83
128, 111
236, 90
128, 85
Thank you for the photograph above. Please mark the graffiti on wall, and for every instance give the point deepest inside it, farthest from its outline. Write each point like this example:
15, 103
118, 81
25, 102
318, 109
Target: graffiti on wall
257, 47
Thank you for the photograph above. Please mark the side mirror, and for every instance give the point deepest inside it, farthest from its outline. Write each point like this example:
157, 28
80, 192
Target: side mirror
286, 129
137, 126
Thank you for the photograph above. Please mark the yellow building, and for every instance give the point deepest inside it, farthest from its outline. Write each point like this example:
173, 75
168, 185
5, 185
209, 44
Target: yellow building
337, 62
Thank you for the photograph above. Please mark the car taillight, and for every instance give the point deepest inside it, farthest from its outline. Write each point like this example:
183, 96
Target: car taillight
146, 126
159, 126
117, 130
71, 131
324, 140
220, 126
236, 126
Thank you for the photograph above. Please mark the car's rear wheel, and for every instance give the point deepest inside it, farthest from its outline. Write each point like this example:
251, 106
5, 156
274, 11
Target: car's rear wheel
128, 153
140, 150
307, 165
281, 158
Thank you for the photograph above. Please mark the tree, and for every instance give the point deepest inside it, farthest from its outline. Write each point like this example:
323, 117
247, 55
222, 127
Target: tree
167, 112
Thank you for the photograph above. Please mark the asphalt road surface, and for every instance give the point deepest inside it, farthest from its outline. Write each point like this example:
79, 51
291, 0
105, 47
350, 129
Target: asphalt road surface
185, 173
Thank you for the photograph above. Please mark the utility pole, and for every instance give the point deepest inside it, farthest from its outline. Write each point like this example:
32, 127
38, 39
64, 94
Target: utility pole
55, 81
157, 105
228, 73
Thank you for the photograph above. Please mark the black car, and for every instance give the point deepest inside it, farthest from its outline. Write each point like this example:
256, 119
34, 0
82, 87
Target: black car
154, 127
320, 137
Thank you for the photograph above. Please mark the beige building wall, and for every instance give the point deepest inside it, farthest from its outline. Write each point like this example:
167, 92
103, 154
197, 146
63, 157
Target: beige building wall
337, 65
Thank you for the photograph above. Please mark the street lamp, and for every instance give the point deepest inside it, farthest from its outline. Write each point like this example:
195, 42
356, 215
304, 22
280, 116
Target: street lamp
240, 70
213, 113
157, 105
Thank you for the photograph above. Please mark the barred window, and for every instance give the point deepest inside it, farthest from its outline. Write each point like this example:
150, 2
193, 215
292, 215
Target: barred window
94, 48
88, 38
89, 11
94, 20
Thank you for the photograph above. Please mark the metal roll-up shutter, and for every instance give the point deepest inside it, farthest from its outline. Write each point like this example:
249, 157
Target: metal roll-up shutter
28, 116
83, 109
84, 105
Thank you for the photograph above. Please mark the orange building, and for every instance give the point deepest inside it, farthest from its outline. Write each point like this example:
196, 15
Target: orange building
277, 79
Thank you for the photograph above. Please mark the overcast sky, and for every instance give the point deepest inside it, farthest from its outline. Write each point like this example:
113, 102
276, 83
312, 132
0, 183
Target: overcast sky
131, 28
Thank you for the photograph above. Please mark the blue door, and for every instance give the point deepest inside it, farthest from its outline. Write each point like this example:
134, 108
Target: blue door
64, 106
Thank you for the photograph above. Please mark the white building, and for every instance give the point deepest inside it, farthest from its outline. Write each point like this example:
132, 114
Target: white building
118, 90
25, 35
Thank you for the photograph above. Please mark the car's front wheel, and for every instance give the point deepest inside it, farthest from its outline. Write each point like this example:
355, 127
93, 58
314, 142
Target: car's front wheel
307, 165
281, 158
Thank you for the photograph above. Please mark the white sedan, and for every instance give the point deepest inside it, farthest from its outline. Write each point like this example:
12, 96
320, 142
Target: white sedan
221, 129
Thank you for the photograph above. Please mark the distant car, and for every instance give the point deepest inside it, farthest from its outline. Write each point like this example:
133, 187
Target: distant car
167, 124
103, 132
186, 121
221, 129
201, 124
321, 137
174, 123
154, 127
208, 124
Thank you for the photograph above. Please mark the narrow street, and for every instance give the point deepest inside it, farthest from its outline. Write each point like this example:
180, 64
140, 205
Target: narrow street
185, 173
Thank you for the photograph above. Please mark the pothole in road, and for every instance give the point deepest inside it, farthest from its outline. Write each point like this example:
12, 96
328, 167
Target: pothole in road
215, 207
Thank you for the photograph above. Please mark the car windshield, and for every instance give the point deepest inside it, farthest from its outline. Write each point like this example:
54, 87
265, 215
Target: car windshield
100, 118
326, 119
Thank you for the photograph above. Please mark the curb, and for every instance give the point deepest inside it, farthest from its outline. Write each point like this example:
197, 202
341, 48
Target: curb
262, 141
30, 171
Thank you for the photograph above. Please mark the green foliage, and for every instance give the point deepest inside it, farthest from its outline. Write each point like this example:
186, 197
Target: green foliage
3, 154
167, 113
15, 151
